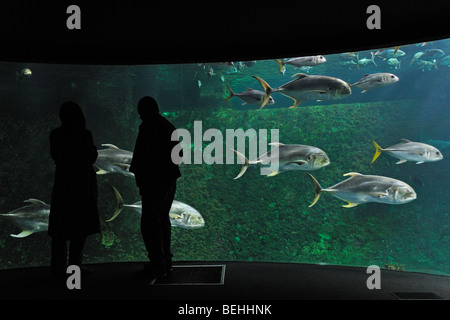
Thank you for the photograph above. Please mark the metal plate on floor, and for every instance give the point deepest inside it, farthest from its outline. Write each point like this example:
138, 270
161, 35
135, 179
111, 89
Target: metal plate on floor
195, 275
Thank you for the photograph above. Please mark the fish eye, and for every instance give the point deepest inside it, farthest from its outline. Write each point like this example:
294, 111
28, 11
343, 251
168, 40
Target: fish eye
437, 153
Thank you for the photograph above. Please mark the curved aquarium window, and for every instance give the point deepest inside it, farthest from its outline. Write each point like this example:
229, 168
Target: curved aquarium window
356, 174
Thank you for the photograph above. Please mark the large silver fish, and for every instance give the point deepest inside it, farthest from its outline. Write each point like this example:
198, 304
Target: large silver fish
113, 159
181, 215
410, 151
30, 219
302, 61
364, 188
390, 53
250, 96
289, 157
306, 87
375, 80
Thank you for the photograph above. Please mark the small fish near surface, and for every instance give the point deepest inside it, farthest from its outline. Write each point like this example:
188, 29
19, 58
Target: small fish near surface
432, 54
425, 65
112, 159
394, 63
30, 219
445, 61
307, 61
365, 61
361, 188
410, 151
308, 87
289, 157
250, 96
23, 75
181, 214
375, 80
390, 53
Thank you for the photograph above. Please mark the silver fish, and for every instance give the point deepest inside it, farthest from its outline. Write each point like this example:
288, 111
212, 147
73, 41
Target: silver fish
365, 61
302, 61
306, 87
445, 61
289, 157
410, 151
113, 159
375, 80
390, 53
23, 75
250, 96
432, 54
425, 65
365, 188
30, 219
181, 214
393, 62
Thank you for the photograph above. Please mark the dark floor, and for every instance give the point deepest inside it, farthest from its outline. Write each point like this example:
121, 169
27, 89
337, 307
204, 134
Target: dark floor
226, 281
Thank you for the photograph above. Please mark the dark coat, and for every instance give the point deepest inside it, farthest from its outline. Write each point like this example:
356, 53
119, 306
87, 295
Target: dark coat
152, 162
73, 210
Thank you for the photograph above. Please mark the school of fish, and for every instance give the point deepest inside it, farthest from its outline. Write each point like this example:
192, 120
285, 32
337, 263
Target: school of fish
355, 190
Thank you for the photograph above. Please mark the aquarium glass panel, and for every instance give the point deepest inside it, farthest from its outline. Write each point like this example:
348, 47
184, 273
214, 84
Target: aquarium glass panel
377, 119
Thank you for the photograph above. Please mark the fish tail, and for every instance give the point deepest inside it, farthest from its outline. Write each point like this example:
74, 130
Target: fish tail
231, 93
281, 62
317, 190
373, 58
244, 166
119, 204
377, 152
268, 90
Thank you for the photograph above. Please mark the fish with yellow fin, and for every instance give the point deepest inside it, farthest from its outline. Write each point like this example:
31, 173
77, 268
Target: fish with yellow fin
361, 188
409, 151
308, 87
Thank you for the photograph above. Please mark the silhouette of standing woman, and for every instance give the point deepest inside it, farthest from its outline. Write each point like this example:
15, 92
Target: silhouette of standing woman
73, 210
156, 176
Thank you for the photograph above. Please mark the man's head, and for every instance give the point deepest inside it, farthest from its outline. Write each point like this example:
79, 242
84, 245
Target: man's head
147, 107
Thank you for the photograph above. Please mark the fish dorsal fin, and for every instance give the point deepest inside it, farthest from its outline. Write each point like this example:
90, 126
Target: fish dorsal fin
276, 144
34, 201
300, 75
353, 174
406, 140
109, 145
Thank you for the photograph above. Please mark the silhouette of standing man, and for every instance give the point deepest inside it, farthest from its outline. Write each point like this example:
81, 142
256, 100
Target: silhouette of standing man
73, 210
156, 175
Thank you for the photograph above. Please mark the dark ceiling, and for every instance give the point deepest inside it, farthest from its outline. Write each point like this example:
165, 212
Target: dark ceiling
135, 32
